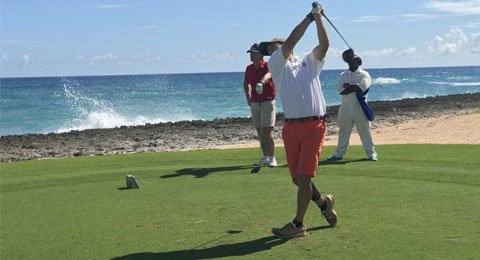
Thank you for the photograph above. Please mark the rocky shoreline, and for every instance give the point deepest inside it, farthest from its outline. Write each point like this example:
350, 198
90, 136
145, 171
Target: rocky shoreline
195, 135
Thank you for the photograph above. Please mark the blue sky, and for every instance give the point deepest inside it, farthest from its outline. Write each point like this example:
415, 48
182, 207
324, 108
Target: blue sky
112, 37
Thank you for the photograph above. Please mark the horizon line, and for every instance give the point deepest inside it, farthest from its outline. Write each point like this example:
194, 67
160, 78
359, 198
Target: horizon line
185, 73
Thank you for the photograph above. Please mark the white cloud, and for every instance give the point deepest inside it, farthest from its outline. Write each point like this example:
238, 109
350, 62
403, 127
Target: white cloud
404, 17
124, 60
454, 42
332, 52
149, 58
410, 51
143, 58
370, 18
23, 62
119, 6
470, 25
14, 42
460, 8
123, 63
105, 57
476, 42
416, 17
110, 6
471, 7
148, 27
451, 43
199, 57
223, 57
380, 53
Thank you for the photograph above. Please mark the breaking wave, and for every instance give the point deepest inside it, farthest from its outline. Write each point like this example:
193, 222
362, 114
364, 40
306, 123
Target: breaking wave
457, 84
386, 81
92, 113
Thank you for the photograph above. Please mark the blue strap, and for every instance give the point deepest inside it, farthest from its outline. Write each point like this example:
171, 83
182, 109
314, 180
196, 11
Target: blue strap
366, 109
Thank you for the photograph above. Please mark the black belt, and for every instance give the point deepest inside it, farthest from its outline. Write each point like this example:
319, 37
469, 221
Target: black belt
304, 119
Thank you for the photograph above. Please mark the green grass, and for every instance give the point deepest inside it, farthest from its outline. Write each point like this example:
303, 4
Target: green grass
417, 202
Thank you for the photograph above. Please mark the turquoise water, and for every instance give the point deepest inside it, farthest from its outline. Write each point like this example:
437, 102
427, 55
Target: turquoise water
60, 104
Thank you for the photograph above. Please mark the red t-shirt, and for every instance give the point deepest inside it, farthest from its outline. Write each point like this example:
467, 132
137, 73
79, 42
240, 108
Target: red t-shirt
253, 76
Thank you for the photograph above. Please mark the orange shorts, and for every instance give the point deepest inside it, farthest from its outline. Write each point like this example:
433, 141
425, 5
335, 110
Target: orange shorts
303, 144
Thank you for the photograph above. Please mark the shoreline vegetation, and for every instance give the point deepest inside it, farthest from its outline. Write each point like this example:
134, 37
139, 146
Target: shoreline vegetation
200, 135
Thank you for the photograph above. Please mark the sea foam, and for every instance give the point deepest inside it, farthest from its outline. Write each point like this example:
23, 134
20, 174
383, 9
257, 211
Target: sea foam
107, 119
92, 113
457, 84
386, 81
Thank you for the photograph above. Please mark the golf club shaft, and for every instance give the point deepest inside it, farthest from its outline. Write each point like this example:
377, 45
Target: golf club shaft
260, 126
337, 31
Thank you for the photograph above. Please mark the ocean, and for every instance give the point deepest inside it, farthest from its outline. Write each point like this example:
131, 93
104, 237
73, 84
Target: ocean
62, 104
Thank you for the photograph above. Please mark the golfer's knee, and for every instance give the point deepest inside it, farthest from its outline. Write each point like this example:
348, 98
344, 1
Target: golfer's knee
267, 131
304, 181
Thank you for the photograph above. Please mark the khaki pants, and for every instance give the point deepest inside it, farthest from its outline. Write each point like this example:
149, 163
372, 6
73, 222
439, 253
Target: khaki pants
264, 114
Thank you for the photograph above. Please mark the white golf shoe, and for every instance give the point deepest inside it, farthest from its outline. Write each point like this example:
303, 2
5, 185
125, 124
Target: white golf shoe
271, 162
263, 161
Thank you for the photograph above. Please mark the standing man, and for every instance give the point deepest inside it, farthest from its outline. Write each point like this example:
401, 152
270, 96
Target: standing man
260, 93
298, 85
353, 85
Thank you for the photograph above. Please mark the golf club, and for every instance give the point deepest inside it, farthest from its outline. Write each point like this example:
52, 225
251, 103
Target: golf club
314, 4
330, 22
257, 169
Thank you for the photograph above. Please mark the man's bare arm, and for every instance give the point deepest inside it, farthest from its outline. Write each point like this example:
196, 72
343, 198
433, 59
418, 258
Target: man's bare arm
266, 78
295, 36
246, 88
321, 50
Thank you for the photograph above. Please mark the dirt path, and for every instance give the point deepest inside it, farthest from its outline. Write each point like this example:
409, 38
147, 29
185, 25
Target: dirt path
461, 129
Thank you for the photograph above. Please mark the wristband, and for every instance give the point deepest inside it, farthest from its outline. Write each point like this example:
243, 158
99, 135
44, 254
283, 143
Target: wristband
312, 18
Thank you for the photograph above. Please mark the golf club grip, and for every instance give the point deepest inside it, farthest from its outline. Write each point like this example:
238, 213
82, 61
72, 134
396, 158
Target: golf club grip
330, 22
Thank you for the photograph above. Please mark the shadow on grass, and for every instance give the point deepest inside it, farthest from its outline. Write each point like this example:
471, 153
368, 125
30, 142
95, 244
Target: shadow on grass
341, 162
230, 250
202, 172
318, 228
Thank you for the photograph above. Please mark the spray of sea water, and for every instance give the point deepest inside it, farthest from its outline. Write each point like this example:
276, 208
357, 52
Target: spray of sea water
92, 112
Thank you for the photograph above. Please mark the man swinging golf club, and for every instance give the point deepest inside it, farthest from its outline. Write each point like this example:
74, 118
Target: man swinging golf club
298, 86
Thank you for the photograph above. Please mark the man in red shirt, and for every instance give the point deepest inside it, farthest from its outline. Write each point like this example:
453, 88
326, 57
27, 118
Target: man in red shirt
260, 93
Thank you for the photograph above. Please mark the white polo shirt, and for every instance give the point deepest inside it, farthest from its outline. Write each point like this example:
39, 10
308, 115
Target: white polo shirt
298, 85
358, 77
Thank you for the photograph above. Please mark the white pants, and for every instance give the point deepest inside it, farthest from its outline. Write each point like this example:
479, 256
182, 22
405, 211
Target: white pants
349, 114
